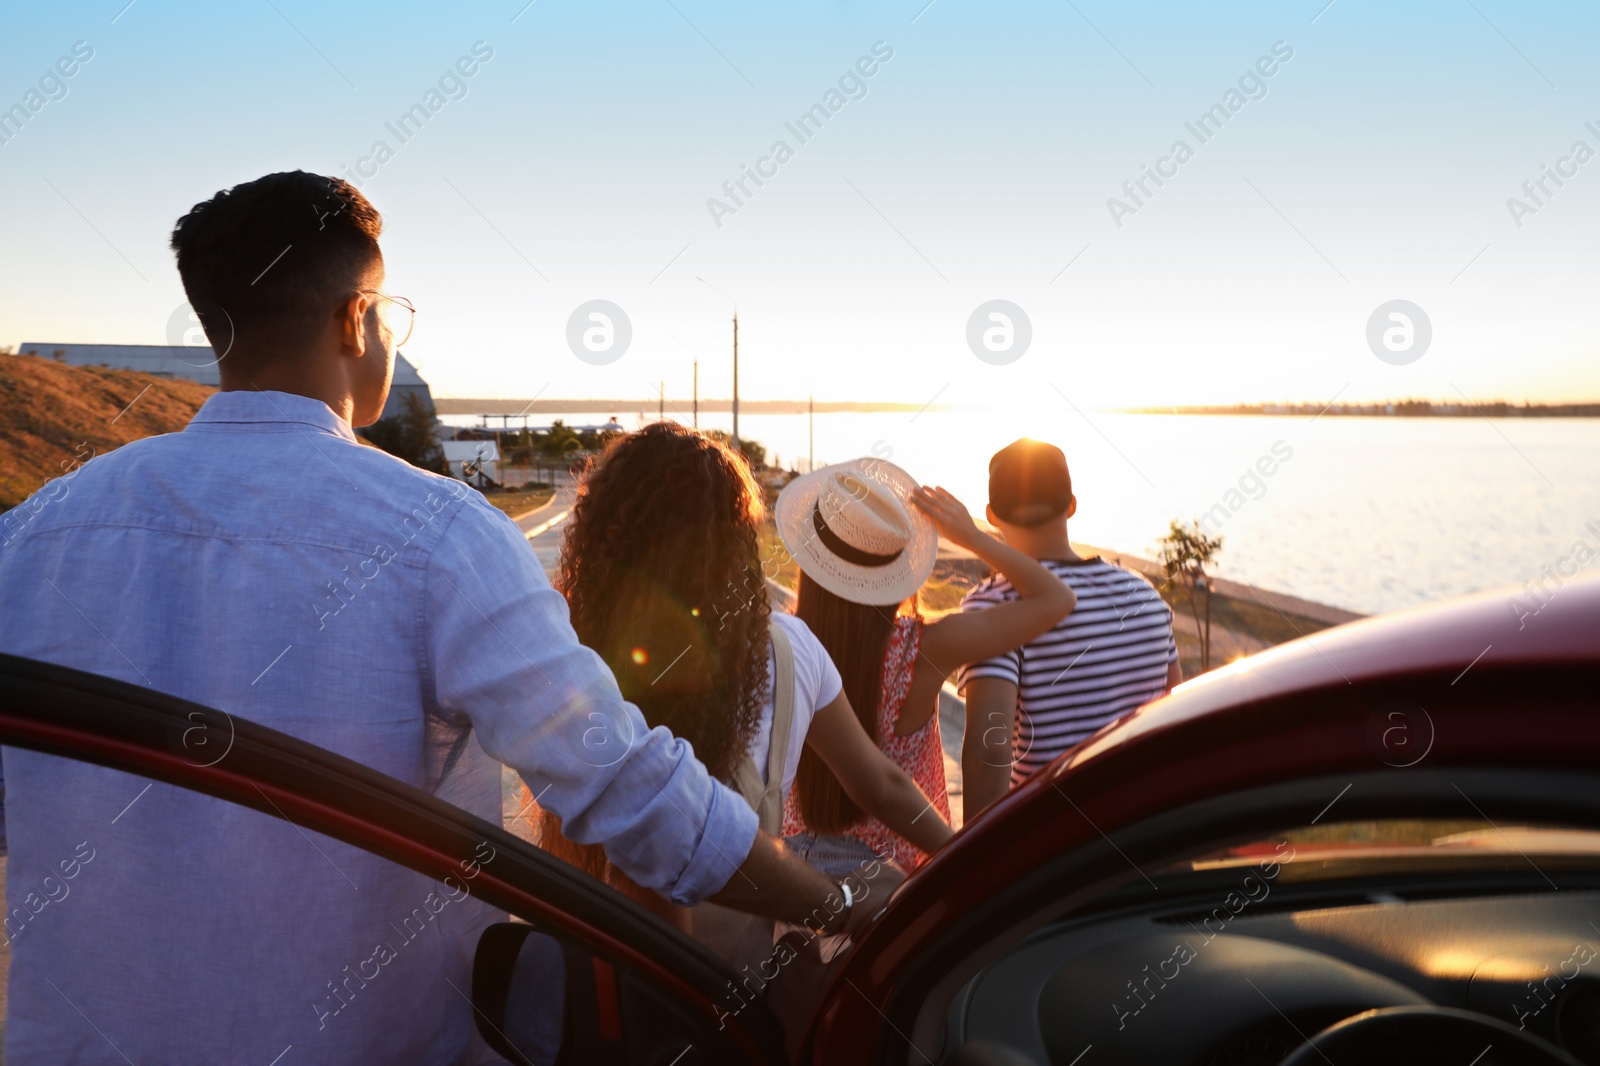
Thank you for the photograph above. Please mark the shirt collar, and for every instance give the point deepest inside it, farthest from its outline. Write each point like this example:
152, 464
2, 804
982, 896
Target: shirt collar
257, 406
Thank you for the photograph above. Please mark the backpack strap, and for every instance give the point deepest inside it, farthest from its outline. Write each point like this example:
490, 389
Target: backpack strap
766, 797
743, 939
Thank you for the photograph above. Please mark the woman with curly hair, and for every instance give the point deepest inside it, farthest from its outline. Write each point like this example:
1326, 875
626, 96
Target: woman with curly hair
661, 567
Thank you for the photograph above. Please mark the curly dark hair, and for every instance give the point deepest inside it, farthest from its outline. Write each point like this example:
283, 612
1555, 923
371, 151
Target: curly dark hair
661, 567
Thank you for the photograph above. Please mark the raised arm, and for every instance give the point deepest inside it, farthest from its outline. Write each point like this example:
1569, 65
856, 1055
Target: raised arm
873, 780
970, 636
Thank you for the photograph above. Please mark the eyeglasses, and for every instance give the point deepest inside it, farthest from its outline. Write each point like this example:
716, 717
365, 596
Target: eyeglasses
397, 314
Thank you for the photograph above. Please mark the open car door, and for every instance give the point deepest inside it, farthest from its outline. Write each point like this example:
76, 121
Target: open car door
580, 975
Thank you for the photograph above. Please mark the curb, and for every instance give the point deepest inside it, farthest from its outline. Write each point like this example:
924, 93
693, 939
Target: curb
546, 505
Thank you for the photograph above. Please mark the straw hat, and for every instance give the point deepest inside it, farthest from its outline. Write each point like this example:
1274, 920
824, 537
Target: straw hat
853, 531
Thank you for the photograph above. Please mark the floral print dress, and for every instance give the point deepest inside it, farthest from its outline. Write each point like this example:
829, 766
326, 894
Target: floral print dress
920, 754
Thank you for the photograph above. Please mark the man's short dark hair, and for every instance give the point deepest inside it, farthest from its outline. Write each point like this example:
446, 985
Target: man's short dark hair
265, 260
1029, 483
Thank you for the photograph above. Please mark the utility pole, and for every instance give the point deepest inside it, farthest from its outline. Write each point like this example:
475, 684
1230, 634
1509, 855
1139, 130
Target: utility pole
736, 377
697, 394
661, 405
735, 304
811, 433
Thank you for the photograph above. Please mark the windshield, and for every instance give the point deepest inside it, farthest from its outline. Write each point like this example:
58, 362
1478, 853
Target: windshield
1340, 849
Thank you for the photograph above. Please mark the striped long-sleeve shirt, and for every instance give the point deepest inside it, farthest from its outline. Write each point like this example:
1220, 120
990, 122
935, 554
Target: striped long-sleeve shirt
1106, 658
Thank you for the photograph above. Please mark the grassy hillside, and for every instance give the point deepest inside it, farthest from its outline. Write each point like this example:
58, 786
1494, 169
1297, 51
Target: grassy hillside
51, 414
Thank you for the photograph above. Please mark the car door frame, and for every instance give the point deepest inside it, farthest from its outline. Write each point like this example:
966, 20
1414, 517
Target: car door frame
90, 718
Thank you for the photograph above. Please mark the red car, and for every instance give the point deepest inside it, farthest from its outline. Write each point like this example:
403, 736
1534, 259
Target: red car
1378, 845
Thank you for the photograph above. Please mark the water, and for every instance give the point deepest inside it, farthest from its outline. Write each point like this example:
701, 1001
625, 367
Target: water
1370, 514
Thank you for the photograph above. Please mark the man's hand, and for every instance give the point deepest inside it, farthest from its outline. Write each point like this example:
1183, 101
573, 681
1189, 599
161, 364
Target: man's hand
872, 885
775, 883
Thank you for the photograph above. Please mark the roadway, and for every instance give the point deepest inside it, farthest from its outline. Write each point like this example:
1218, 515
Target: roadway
543, 527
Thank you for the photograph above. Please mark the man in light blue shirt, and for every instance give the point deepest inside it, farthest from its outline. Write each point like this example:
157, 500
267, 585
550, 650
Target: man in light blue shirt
264, 562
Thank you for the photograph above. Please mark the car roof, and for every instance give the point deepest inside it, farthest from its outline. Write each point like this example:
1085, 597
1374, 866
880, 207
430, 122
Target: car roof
1503, 628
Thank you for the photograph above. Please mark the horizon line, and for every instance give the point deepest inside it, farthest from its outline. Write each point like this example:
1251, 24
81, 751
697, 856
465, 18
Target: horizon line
515, 408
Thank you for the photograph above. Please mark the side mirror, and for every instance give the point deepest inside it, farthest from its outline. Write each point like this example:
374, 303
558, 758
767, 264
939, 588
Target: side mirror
541, 999
512, 956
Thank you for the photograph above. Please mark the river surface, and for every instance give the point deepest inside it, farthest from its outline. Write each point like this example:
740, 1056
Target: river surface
1369, 514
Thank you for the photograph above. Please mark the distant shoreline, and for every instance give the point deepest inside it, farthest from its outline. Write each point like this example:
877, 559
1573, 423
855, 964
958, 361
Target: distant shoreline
450, 405
679, 407
1400, 409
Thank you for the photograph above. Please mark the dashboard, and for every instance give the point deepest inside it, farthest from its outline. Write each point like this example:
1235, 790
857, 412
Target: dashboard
1236, 977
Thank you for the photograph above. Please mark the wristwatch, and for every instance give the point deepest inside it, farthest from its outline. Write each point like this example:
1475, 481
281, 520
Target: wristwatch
844, 914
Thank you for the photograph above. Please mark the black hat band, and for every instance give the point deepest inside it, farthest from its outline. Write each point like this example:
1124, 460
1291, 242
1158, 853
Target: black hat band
838, 547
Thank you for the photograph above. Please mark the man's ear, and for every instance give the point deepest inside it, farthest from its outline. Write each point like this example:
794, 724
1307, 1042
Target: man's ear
351, 317
1072, 507
988, 512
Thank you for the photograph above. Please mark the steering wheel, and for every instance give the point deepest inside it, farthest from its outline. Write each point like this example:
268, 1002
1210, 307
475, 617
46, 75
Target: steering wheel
1404, 1036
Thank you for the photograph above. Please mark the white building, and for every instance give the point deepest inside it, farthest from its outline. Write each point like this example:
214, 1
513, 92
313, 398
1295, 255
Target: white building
463, 455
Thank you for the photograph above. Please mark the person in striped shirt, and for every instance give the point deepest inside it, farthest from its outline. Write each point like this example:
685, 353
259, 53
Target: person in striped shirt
1113, 653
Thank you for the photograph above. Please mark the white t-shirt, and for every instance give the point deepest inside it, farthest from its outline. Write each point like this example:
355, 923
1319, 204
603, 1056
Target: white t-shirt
816, 683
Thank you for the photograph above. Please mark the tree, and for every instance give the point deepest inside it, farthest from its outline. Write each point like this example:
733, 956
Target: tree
594, 440
1184, 553
754, 452
560, 440
412, 434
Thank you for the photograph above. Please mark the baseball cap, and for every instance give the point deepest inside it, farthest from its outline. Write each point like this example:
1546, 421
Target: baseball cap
1029, 474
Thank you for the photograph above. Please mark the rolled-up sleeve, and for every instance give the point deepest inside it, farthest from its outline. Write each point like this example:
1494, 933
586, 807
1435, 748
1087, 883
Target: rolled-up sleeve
499, 648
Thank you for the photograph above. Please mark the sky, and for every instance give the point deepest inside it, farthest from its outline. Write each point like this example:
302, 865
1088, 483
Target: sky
983, 159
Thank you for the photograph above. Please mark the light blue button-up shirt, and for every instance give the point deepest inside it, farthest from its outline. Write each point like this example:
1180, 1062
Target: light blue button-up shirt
265, 563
